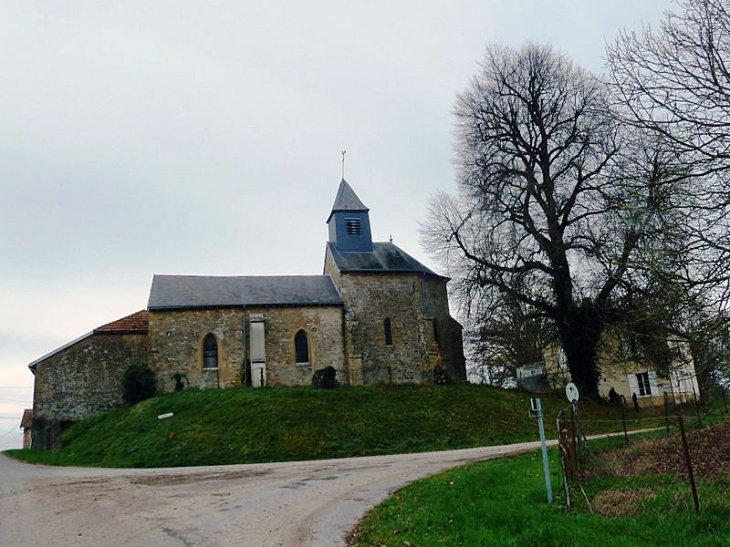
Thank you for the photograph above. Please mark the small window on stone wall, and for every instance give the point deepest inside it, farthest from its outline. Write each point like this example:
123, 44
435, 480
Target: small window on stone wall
210, 352
301, 348
388, 328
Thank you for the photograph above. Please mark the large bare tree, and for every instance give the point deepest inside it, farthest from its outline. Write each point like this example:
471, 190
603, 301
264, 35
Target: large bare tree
673, 83
558, 208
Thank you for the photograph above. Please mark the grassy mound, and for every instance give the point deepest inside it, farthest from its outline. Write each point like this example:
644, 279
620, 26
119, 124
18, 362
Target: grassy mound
245, 426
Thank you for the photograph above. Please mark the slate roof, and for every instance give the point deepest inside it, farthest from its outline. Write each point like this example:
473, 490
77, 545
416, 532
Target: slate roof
385, 258
346, 200
136, 323
192, 291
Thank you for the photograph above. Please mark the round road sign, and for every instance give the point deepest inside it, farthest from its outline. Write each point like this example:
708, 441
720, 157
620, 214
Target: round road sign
571, 392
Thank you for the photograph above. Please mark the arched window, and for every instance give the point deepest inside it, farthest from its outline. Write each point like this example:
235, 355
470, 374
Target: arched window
301, 348
210, 352
387, 327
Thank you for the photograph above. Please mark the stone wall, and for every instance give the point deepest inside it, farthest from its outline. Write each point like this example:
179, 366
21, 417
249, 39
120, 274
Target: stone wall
447, 332
417, 306
81, 380
370, 300
323, 327
176, 346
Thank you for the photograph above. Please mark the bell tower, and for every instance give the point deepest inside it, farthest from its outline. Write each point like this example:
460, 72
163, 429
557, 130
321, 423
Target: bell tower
349, 222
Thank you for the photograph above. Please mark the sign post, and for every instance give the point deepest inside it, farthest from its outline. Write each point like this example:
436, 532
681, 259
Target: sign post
536, 410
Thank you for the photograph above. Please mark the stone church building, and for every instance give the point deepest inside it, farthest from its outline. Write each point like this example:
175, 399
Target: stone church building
376, 315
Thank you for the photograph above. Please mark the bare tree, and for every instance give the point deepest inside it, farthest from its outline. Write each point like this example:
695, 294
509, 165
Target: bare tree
557, 208
508, 336
711, 353
674, 86
676, 82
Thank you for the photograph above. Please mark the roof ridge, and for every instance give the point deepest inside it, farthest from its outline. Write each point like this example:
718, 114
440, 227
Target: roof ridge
267, 290
386, 257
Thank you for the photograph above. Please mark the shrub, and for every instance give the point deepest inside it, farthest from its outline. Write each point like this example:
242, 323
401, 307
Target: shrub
139, 383
181, 379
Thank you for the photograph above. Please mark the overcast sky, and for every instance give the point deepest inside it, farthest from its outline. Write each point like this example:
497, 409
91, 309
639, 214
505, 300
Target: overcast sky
205, 137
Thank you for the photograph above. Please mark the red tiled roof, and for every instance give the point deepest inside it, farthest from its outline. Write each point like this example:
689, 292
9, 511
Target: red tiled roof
137, 323
27, 420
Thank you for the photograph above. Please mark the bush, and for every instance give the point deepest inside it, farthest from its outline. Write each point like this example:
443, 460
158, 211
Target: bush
139, 383
181, 379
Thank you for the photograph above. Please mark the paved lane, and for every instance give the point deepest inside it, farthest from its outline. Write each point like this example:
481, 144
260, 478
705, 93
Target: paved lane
289, 504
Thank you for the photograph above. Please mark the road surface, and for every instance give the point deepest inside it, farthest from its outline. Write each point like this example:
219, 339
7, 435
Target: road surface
292, 504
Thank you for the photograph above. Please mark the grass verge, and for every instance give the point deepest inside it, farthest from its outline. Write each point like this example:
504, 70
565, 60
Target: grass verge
503, 503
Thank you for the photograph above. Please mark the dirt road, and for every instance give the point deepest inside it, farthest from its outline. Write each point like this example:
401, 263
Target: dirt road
309, 504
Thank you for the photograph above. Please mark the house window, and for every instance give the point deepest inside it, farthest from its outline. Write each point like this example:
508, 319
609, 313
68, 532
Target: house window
210, 352
301, 348
642, 381
387, 327
629, 350
352, 226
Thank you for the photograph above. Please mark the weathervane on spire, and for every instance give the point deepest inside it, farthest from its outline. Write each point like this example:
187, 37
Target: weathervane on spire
343, 164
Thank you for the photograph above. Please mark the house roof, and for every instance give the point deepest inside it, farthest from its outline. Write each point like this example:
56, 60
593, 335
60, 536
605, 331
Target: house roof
385, 258
136, 323
27, 419
346, 200
192, 291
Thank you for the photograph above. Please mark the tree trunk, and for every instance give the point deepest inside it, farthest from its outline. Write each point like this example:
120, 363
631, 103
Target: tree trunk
580, 333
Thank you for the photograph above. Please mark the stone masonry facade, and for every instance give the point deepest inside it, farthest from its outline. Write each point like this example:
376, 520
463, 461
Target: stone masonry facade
323, 327
83, 380
177, 336
424, 335
176, 346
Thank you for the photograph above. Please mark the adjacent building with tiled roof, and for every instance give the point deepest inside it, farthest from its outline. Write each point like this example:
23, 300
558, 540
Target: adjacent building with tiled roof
26, 424
375, 315
137, 323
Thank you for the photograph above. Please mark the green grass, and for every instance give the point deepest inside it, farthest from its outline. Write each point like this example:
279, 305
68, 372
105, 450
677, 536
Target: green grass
246, 425
503, 503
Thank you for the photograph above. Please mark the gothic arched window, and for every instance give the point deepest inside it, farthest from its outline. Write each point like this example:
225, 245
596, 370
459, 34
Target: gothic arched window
388, 328
210, 352
301, 347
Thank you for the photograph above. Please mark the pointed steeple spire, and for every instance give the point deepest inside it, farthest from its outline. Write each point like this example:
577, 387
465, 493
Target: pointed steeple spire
349, 222
346, 200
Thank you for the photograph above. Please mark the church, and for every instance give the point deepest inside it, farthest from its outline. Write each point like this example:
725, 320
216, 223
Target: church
375, 316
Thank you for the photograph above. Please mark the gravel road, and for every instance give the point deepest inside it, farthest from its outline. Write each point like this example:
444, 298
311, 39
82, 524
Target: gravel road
292, 504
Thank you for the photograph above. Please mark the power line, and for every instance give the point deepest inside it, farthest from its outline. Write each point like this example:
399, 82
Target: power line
9, 431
